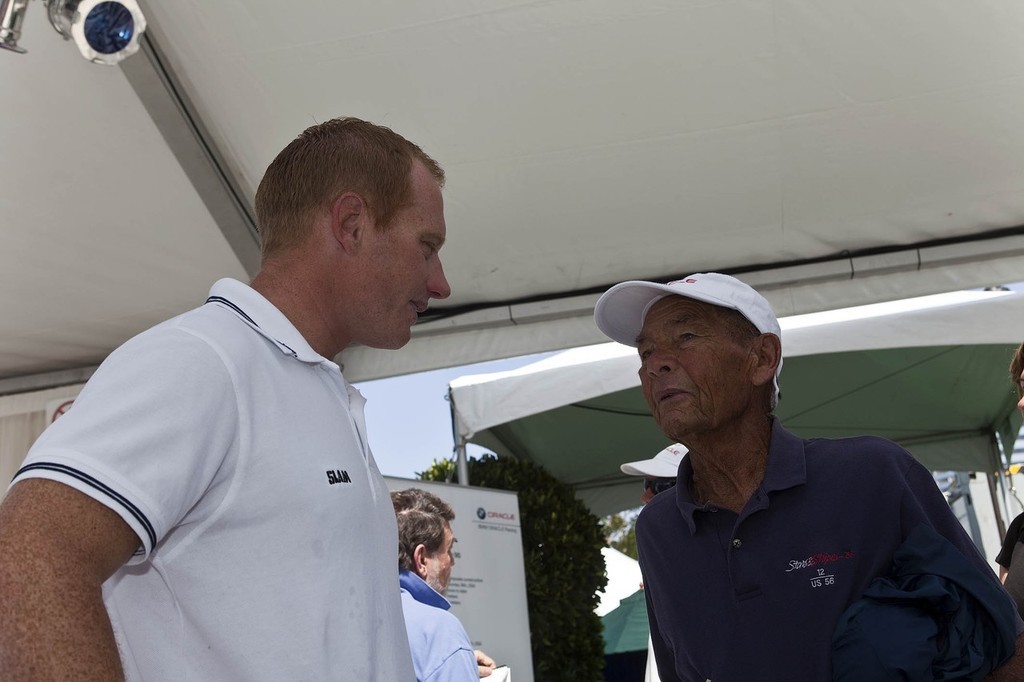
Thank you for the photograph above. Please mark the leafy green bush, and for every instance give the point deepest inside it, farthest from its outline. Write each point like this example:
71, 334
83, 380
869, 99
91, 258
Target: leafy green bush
562, 544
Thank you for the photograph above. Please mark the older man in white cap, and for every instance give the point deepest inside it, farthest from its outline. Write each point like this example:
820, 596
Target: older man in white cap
766, 538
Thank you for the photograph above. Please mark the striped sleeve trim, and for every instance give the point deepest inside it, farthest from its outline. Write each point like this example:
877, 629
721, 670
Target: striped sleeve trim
101, 487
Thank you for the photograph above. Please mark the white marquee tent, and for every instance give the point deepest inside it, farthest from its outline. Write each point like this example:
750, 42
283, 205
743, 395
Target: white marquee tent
930, 373
833, 153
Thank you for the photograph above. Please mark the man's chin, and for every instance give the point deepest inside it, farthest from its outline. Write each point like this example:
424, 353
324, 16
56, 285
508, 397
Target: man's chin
673, 427
393, 341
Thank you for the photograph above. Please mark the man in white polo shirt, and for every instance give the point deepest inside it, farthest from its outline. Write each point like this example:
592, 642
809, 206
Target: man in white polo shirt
209, 508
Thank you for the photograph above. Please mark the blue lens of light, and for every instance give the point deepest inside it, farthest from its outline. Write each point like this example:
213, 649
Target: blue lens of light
109, 27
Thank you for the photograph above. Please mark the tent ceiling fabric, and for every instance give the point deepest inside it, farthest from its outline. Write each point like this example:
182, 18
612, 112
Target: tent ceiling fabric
585, 144
583, 414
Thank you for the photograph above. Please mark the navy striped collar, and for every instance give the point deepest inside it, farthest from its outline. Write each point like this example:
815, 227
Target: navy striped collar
262, 316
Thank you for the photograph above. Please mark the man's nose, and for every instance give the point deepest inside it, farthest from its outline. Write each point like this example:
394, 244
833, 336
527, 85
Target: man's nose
437, 285
658, 362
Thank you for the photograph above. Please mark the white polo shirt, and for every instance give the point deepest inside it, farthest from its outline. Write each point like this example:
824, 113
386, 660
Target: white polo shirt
239, 457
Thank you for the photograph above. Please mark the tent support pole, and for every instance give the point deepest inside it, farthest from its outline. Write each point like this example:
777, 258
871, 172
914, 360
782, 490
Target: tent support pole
461, 465
997, 507
998, 470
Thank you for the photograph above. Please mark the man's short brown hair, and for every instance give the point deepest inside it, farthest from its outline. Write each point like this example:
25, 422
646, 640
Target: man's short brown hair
323, 162
422, 520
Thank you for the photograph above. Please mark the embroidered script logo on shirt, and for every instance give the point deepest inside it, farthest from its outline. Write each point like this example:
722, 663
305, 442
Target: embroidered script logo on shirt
338, 476
819, 559
822, 577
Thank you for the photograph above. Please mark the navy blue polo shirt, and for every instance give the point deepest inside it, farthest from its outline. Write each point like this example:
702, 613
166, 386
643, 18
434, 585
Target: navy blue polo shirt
756, 596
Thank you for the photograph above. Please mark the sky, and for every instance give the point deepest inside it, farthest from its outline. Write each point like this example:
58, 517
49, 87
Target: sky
408, 420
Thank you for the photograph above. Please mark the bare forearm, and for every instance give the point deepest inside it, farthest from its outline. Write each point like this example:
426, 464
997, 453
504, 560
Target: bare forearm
50, 631
57, 547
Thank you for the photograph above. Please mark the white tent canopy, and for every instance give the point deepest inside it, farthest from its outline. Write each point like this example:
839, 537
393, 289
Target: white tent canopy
510, 412
834, 153
623, 579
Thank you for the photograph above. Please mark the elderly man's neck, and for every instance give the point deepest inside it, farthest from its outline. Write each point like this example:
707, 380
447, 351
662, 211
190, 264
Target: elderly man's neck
729, 464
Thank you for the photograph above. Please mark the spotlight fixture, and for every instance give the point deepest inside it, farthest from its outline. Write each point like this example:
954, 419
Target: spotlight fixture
12, 13
105, 31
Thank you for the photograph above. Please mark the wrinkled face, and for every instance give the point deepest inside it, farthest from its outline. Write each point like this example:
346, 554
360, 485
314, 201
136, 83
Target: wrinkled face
439, 565
405, 268
695, 373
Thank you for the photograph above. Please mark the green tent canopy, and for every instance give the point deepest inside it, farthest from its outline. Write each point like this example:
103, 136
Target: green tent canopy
625, 626
945, 404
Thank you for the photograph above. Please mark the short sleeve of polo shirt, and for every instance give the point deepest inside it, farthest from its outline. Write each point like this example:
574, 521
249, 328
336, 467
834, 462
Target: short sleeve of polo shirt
923, 502
147, 434
1010, 541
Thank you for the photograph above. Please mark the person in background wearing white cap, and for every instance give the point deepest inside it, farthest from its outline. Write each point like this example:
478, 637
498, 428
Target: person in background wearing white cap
767, 538
659, 474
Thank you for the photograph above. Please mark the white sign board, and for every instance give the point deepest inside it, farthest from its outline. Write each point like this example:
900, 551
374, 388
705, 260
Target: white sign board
488, 584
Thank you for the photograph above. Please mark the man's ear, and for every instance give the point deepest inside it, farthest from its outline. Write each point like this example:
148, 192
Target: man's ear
419, 560
767, 351
349, 220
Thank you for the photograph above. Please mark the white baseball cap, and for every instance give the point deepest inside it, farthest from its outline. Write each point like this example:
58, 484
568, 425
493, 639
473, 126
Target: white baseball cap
665, 464
620, 312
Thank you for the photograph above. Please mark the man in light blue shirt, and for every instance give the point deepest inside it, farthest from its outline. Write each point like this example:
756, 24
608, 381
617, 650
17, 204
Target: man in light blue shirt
441, 650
